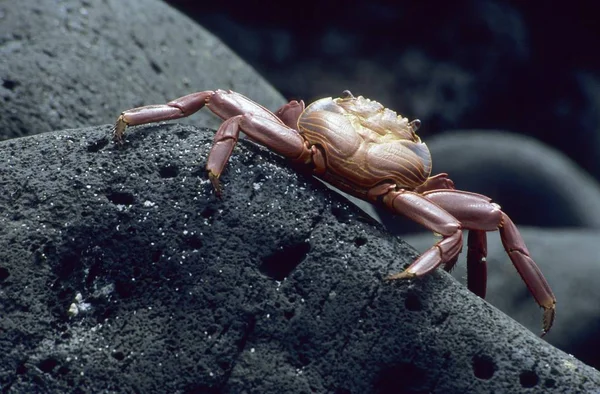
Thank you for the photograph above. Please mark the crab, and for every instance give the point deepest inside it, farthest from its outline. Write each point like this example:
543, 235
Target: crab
372, 153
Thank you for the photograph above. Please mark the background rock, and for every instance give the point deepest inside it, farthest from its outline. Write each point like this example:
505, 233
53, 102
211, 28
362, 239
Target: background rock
568, 258
122, 272
536, 185
469, 64
72, 63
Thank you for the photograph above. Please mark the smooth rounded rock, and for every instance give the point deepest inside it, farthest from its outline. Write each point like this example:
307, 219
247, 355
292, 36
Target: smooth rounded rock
77, 63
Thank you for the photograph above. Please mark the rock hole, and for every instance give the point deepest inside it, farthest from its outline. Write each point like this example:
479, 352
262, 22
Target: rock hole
413, 302
156, 255
4, 274
21, 369
260, 178
193, 242
213, 329
169, 171
69, 263
63, 370
360, 241
48, 364
121, 198
155, 67
95, 146
402, 378
9, 84
550, 383
120, 356
483, 366
281, 263
289, 314
93, 272
341, 213
440, 318
208, 212
183, 134
528, 379
124, 289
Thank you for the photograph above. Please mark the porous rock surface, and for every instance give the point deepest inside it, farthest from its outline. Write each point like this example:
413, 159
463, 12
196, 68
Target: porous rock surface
569, 260
538, 186
73, 63
120, 272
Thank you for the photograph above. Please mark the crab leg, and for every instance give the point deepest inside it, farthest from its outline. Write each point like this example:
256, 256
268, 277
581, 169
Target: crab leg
434, 218
439, 181
477, 212
290, 112
225, 104
239, 114
476, 262
273, 134
476, 242
178, 108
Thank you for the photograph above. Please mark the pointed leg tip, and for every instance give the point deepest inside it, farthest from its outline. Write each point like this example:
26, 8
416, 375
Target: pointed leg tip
214, 180
401, 275
118, 130
548, 319
118, 140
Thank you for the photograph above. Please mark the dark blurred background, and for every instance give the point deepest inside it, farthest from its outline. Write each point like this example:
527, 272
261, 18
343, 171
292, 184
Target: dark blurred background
526, 67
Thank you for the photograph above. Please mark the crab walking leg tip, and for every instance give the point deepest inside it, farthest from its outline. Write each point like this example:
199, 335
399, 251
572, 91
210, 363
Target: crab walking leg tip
214, 180
401, 275
548, 320
119, 129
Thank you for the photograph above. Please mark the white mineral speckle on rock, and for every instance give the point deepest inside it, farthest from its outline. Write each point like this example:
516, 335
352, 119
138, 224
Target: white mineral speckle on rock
73, 310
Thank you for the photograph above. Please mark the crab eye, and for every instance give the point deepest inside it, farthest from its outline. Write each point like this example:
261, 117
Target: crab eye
415, 125
346, 94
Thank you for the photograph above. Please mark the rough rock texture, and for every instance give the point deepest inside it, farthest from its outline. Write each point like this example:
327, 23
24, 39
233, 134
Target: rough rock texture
569, 260
541, 186
73, 63
122, 272
70, 63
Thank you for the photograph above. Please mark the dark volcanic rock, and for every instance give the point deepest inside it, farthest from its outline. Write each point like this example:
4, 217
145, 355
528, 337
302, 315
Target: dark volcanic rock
568, 258
75, 63
121, 272
534, 184
537, 185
